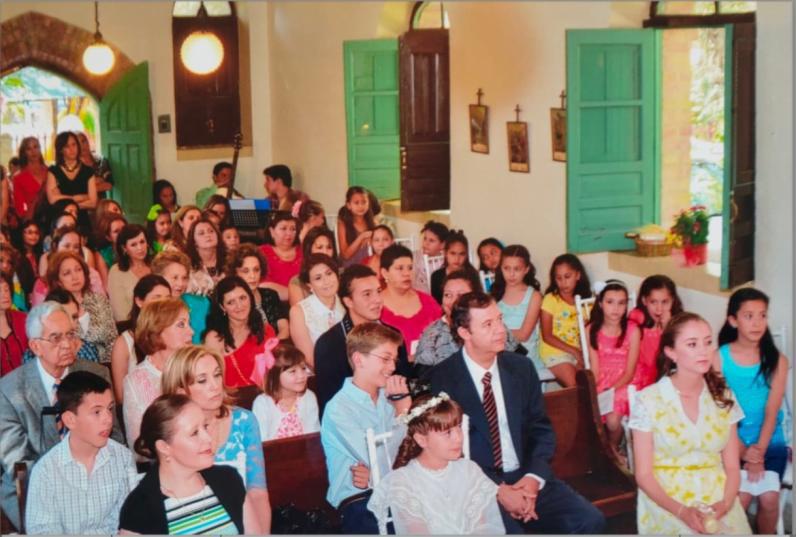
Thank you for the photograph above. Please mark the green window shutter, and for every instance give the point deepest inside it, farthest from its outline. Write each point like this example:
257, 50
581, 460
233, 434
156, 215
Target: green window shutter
372, 115
126, 123
612, 181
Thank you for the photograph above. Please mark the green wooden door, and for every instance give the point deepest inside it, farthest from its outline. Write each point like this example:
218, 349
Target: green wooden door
738, 218
611, 141
126, 126
372, 115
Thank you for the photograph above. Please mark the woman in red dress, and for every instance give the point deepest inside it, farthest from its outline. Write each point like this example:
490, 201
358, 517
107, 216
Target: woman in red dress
235, 329
30, 178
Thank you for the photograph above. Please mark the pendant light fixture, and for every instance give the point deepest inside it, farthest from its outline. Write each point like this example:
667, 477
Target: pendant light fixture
98, 58
202, 51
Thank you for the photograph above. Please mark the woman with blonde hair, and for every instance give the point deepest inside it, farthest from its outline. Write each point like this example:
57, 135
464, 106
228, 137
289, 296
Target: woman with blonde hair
162, 328
198, 372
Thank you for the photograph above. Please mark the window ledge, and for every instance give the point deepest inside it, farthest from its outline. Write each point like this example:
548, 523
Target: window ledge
392, 208
701, 278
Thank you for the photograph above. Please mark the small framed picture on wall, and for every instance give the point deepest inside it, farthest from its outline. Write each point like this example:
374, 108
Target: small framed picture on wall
519, 158
558, 133
479, 128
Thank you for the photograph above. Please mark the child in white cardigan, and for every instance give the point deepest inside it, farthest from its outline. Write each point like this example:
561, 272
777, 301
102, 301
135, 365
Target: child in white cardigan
287, 408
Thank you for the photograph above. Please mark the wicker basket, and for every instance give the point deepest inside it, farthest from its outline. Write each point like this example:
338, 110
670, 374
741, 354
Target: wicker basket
652, 248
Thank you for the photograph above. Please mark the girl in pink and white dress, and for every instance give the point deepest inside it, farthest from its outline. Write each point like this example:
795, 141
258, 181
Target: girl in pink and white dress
287, 408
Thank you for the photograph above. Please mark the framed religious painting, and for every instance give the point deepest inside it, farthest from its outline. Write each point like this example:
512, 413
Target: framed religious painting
479, 128
519, 157
558, 133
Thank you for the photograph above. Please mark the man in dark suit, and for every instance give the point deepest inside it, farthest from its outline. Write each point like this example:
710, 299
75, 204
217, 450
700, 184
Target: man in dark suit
511, 438
360, 292
28, 426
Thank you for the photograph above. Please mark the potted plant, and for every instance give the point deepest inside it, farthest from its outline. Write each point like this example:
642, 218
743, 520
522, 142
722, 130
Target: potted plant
691, 228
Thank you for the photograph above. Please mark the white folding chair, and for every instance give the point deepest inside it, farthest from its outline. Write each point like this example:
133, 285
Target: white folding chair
432, 263
409, 242
331, 221
583, 308
631, 395
374, 440
780, 335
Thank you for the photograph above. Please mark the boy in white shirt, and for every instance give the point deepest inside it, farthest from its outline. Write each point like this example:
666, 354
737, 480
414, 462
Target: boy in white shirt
78, 487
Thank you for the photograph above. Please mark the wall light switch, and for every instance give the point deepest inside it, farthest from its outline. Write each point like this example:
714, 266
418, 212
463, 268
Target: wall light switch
164, 123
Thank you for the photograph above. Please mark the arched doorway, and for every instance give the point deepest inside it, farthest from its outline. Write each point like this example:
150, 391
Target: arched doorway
123, 95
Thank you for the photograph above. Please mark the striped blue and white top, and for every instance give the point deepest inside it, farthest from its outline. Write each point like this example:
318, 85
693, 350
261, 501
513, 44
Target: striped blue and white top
199, 514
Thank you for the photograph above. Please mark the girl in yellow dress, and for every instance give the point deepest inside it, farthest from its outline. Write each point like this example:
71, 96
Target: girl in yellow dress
685, 441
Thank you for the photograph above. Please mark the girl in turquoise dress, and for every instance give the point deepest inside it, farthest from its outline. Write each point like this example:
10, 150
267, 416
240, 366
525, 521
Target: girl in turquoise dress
516, 291
685, 441
757, 374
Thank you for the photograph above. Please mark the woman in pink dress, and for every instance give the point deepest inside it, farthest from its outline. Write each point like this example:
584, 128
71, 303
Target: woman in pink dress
30, 178
408, 310
284, 255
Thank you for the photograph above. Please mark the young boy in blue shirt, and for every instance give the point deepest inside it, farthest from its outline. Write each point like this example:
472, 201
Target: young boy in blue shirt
362, 403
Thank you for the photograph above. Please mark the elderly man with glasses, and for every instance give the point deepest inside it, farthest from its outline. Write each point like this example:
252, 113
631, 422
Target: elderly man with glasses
29, 420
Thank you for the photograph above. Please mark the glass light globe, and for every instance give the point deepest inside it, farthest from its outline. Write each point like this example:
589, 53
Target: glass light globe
98, 58
202, 52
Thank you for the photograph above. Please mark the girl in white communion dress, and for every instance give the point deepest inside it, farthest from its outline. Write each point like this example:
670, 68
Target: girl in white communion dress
431, 489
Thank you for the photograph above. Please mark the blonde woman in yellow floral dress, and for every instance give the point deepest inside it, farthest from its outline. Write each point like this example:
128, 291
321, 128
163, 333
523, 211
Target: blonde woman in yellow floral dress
685, 441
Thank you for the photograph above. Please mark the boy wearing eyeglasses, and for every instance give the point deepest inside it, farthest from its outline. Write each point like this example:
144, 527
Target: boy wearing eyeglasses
372, 399
28, 424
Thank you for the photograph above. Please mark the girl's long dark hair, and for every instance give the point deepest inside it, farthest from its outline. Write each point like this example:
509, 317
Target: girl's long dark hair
582, 288
717, 385
457, 236
18, 239
217, 320
514, 250
653, 283
444, 416
489, 241
347, 217
769, 354
597, 316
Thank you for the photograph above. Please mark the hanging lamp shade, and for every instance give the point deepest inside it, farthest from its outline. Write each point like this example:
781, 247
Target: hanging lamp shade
98, 58
202, 52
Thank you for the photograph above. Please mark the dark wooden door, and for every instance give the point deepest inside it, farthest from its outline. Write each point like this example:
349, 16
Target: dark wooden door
425, 120
738, 251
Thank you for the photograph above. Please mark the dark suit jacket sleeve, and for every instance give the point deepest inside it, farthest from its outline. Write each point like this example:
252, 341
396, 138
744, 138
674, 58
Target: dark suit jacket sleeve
328, 374
539, 439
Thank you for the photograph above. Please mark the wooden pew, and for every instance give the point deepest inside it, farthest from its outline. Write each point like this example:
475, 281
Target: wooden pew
21, 484
295, 470
583, 457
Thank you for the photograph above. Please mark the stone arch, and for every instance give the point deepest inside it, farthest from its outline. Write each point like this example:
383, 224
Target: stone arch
28, 39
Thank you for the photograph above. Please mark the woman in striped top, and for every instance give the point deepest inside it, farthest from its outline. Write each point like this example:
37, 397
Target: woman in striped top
183, 493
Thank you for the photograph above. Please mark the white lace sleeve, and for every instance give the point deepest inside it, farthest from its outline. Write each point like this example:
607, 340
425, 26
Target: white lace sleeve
483, 505
639, 415
393, 495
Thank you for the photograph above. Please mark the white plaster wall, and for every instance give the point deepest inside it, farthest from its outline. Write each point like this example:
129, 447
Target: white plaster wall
143, 31
774, 180
308, 122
